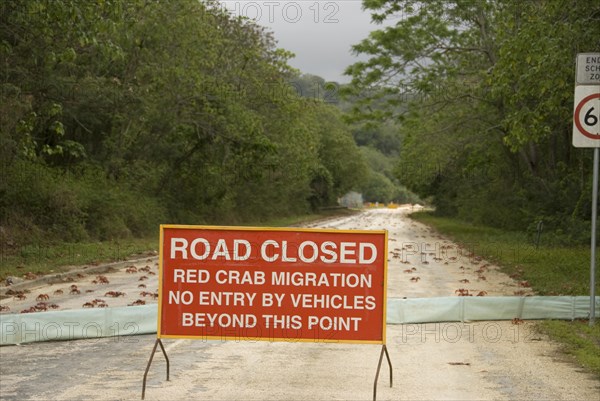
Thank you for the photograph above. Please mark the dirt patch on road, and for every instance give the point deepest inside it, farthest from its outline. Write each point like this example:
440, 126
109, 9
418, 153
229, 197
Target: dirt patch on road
115, 284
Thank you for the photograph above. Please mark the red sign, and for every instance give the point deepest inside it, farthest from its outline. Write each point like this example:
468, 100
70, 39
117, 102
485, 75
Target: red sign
242, 283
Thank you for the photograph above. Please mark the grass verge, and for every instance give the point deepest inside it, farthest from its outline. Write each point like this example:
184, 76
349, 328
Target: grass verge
43, 259
577, 339
549, 270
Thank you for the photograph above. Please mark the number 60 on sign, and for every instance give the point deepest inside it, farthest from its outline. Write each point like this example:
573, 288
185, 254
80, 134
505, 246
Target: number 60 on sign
586, 117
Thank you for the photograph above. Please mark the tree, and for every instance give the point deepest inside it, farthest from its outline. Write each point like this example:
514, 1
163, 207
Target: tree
483, 93
120, 114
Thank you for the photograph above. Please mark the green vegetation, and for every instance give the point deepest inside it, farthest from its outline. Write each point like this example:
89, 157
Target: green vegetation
482, 95
61, 257
578, 339
549, 270
379, 144
381, 184
118, 115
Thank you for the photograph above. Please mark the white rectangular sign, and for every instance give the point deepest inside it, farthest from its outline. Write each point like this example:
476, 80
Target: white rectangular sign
588, 69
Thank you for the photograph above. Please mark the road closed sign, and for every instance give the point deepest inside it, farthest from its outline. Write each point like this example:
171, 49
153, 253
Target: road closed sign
586, 116
239, 283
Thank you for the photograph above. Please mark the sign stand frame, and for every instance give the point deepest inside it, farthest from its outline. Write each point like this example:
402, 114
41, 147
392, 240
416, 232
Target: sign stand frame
159, 342
243, 235
387, 355
156, 344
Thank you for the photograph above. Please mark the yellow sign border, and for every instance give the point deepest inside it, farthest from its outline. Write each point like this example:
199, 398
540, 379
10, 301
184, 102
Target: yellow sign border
284, 229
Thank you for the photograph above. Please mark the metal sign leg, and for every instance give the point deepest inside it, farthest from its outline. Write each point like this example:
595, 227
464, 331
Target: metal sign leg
156, 344
593, 250
383, 350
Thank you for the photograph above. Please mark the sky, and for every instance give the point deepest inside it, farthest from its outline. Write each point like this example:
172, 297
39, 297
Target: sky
319, 33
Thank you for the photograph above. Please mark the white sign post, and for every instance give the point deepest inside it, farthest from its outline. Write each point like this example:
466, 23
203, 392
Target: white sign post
586, 134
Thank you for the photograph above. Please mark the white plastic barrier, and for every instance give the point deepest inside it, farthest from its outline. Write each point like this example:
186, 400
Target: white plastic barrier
461, 309
132, 320
19, 328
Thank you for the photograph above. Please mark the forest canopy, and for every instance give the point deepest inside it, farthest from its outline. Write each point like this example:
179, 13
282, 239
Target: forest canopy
482, 92
118, 115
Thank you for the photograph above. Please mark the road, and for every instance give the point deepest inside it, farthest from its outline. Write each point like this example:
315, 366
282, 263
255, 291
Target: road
443, 361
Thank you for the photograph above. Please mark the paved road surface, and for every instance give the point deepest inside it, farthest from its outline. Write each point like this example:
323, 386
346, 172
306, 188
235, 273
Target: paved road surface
445, 361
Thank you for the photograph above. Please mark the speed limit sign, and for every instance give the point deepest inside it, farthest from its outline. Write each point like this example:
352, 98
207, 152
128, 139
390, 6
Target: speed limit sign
586, 117
586, 134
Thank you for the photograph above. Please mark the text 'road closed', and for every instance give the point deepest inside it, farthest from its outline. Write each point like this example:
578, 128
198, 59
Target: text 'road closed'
272, 284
